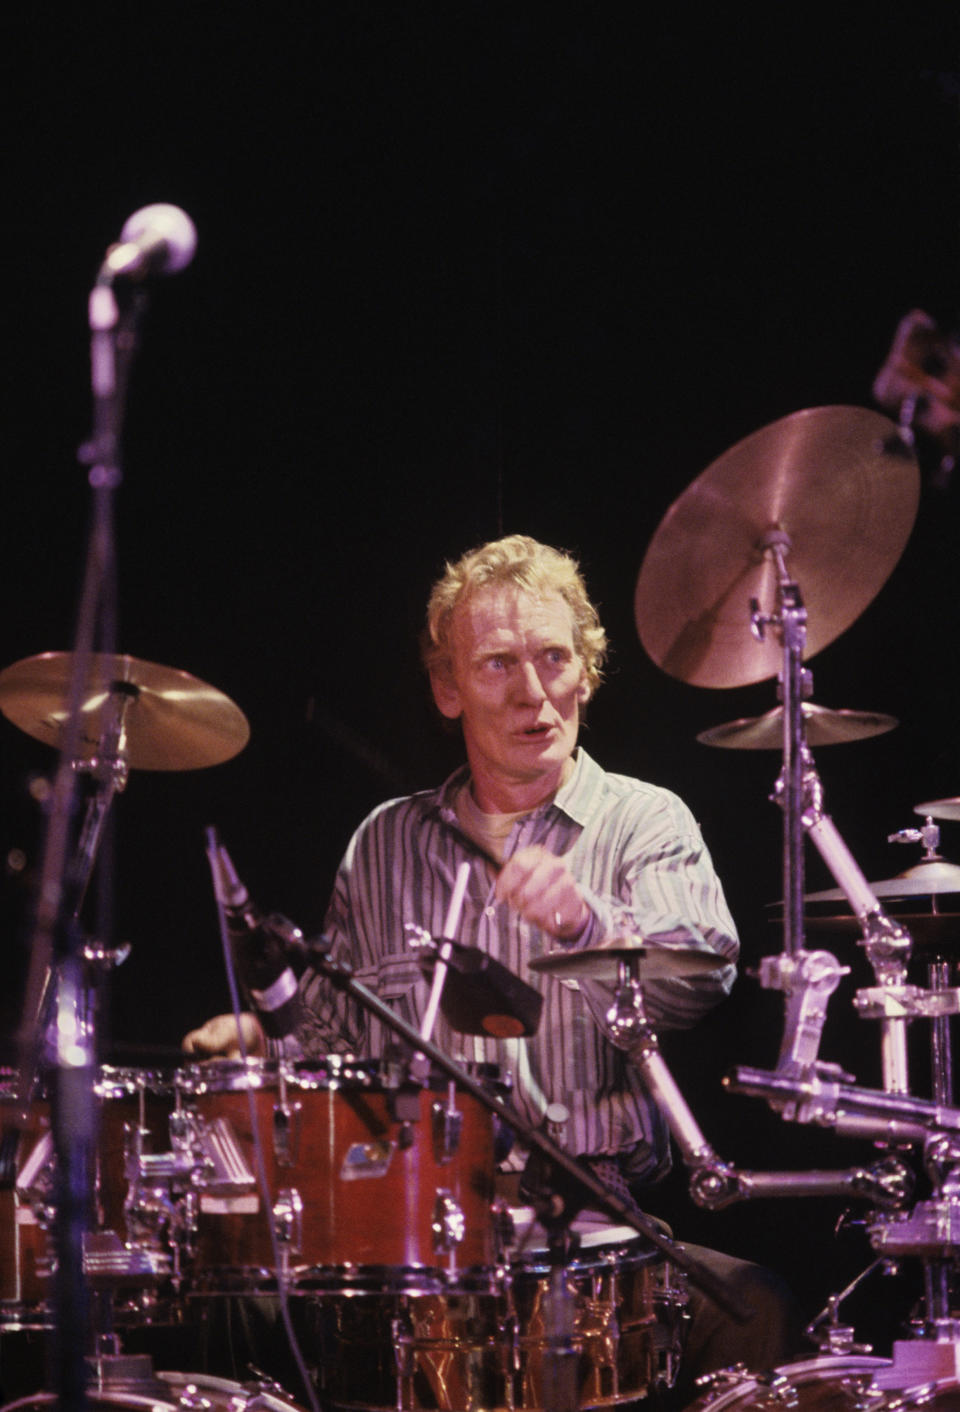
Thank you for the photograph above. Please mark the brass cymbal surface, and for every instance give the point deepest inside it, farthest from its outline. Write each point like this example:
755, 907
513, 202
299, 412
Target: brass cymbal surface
822, 726
948, 809
172, 720
929, 878
602, 963
844, 487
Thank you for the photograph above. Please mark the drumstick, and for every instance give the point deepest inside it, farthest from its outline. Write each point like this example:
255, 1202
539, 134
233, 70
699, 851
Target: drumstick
456, 902
440, 969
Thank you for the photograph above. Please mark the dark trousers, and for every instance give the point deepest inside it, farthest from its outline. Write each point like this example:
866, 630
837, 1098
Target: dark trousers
771, 1334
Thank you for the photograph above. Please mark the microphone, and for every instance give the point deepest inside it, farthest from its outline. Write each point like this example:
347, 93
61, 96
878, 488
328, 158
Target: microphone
260, 945
156, 240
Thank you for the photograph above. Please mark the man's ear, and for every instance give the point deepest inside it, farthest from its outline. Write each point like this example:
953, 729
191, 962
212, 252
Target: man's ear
584, 690
445, 694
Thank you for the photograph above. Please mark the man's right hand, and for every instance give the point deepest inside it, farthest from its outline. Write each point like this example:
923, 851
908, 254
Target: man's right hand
220, 1038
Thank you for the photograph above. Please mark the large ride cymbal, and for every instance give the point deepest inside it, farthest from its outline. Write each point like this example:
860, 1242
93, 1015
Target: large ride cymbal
839, 481
822, 727
172, 720
602, 963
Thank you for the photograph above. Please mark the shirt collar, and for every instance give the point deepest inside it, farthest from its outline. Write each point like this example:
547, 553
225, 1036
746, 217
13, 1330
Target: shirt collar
573, 798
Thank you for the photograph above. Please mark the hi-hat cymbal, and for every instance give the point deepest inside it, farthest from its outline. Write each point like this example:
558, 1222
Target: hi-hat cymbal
602, 963
822, 727
839, 481
948, 809
172, 721
929, 878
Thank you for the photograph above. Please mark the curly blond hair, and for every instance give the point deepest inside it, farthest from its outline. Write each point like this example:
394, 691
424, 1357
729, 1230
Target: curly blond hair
524, 562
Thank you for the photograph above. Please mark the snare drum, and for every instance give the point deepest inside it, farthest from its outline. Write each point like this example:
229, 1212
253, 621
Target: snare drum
372, 1187
490, 1347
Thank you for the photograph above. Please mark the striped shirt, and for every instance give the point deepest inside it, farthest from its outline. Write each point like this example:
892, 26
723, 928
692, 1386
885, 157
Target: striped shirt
644, 870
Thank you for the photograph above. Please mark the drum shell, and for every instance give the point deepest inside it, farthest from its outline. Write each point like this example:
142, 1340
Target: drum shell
23, 1242
489, 1347
369, 1181
126, 1099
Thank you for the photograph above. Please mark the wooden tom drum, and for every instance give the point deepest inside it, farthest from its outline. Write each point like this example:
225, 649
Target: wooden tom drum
371, 1184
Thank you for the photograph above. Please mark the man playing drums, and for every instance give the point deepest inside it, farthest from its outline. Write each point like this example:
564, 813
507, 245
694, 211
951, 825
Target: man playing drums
561, 854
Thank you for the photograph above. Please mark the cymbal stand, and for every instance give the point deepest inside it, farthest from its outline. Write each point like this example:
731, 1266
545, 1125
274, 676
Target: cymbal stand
806, 979
930, 1230
939, 973
790, 620
809, 978
714, 1183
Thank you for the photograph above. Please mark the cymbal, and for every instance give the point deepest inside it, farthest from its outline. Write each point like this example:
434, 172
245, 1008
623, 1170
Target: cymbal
839, 481
602, 963
931, 929
948, 809
173, 720
932, 877
822, 727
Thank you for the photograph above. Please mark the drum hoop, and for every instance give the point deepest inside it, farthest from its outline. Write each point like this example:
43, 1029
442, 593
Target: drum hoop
115, 1081
333, 1072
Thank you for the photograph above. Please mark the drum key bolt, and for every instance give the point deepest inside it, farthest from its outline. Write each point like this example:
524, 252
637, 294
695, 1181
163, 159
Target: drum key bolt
447, 1127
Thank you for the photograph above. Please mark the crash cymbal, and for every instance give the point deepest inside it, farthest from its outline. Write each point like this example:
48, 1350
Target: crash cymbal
928, 929
839, 481
172, 722
948, 809
602, 963
822, 726
929, 878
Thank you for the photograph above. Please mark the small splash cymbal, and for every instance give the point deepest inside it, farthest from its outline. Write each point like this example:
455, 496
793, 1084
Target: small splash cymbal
822, 726
948, 809
839, 483
602, 963
172, 721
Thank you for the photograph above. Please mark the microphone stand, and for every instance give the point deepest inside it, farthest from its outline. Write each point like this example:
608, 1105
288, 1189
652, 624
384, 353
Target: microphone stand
59, 1021
341, 975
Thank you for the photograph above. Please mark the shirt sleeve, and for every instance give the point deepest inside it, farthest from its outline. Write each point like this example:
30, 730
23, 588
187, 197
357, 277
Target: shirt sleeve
661, 888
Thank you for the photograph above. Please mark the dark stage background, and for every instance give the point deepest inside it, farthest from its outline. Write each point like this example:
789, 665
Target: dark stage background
464, 269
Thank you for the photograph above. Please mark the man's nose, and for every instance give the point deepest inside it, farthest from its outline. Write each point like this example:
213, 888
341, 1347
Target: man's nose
529, 685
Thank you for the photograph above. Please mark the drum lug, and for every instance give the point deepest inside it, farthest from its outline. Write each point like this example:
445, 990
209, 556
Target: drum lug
288, 1219
286, 1133
447, 1126
449, 1224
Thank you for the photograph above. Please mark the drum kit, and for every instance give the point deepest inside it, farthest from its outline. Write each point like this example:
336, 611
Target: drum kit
364, 1192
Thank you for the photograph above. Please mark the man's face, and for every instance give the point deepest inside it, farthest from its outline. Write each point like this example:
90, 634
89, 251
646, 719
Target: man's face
517, 684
